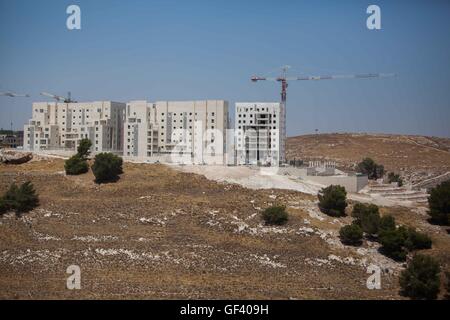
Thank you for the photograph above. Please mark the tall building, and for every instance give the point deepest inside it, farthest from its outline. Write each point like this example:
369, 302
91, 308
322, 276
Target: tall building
185, 131
60, 125
260, 133
140, 130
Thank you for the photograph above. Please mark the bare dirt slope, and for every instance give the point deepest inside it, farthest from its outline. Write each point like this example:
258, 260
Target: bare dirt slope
415, 157
159, 234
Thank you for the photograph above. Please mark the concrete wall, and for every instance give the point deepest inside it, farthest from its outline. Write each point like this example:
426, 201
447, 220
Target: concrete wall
352, 183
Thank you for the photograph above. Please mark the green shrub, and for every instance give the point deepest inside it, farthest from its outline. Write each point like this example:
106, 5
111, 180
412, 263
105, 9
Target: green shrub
275, 215
84, 147
439, 203
333, 200
107, 167
369, 167
360, 209
387, 223
76, 165
367, 217
370, 223
420, 280
3, 206
351, 235
392, 177
393, 244
21, 199
417, 240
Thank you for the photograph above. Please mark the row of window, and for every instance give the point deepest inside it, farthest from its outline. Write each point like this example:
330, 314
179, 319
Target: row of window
257, 109
99, 110
251, 121
185, 113
240, 127
253, 115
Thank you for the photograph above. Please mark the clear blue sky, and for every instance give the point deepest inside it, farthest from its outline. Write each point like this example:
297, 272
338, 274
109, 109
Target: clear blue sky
173, 50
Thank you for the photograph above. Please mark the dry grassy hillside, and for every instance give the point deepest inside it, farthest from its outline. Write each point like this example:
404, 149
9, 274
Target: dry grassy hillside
159, 233
416, 157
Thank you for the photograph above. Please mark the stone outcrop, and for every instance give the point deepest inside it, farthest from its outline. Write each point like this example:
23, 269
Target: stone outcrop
14, 157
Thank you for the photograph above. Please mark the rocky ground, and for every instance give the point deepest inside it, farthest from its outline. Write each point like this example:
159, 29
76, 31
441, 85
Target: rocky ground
416, 158
159, 233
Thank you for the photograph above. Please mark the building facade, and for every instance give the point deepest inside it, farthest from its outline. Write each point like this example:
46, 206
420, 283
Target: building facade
184, 131
61, 126
260, 135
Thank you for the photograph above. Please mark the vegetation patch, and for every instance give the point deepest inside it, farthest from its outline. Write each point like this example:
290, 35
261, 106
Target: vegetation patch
20, 199
439, 203
351, 234
333, 200
420, 280
107, 167
275, 215
371, 168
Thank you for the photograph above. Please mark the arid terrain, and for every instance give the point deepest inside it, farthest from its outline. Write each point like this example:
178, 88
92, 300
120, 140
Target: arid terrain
416, 158
159, 233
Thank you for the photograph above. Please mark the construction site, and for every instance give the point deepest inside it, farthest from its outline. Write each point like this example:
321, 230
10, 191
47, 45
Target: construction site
187, 135
183, 221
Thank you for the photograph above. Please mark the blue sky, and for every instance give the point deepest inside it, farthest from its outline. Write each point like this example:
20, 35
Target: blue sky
174, 50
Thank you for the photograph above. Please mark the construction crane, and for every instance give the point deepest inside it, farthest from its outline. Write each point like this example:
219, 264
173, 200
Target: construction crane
13, 94
284, 79
284, 85
58, 98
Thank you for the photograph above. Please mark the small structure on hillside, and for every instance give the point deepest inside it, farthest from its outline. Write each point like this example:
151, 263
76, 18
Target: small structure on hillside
325, 173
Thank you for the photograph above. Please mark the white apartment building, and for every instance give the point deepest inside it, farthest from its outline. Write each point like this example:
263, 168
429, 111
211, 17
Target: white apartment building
59, 125
184, 131
140, 130
260, 133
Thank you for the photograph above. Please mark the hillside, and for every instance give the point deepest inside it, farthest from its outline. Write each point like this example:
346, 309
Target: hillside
160, 233
416, 157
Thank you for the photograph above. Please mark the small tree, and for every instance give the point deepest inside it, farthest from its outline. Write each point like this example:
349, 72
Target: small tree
447, 285
417, 240
84, 147
387, 223
367, 217
370, 223
76, 165
107, 167
393, 244
351, 234
333, 200
275, 215
392, 177
21, 199
3, 207
360, 209
420, 280
369, 167
439, 203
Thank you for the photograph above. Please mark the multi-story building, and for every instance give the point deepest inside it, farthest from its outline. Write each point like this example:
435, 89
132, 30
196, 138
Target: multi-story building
140, 130
260, 133
184, 130
58, 125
